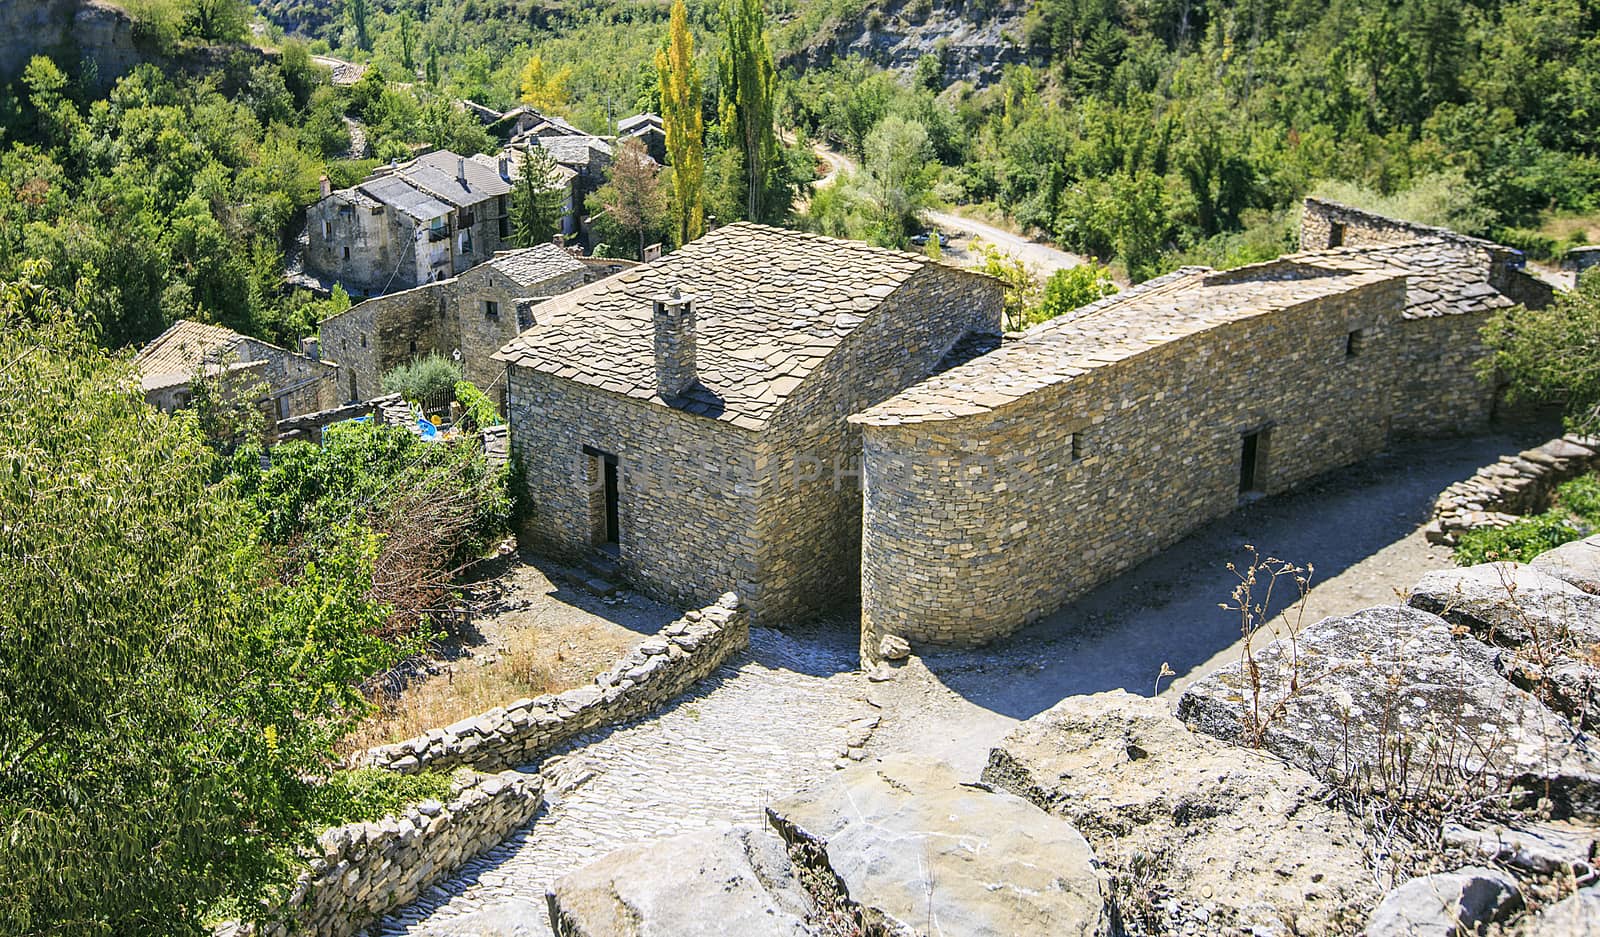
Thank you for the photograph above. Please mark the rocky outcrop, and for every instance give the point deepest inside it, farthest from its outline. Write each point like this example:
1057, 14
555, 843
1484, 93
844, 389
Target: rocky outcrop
1198, 833
1449, 904
1499, 494
736, 881
657, 670
1576, 563
1577, 915
973, 44
918, 852
72, 31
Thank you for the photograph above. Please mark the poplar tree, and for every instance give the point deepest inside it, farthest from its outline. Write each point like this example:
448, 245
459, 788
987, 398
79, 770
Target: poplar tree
746, 113
680, 85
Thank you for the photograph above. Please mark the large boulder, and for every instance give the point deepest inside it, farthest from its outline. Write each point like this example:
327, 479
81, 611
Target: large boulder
1198, 832
919, 852
1576, 563
737, 881
1577, 915
1449, 904
1391, 697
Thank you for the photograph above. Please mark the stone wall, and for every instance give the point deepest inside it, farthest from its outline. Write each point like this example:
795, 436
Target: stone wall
480, 335
385, 250
1498, 494
368, 869
374, 336
1035, 502
656, 671
308, 427
686, 499
1438, 389
810, 524
297, 384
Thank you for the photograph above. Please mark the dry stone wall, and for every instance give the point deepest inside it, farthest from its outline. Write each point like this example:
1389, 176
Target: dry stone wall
366, 869
1499, 494
653, 673
1035, 502
1438, 389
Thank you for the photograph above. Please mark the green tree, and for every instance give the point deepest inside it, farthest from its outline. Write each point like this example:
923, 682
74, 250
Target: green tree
632, 197
408, 43
747, 77
896, 176
537, 198
358, 13
1552, 355
217, 20
1069, 289
681, 115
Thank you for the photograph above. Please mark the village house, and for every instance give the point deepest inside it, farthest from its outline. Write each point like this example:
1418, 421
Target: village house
647, 129
1000, 489
688, 416
287, 384
466, 318
410, 223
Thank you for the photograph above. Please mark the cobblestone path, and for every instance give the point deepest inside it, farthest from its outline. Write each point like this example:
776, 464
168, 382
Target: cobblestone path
772, 719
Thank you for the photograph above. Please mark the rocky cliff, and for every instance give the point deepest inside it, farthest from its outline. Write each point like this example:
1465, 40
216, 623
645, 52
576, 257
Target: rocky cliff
70, 31
973, 40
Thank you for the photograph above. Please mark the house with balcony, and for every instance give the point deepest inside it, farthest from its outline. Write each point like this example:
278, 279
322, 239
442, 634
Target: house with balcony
409, 224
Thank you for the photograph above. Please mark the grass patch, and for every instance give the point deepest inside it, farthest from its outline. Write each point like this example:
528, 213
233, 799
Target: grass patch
1575, 514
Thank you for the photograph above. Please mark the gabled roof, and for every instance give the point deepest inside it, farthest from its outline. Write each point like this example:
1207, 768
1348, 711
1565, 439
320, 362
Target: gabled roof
770, 305
403, 197
454, 179
628, 125
531, 266
574, 150
1183, 303
175, 356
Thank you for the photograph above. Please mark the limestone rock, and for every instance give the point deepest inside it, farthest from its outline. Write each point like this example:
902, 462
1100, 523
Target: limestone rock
1233, 834
1450, 904
1543, 848
1511, 604
1577, 563
894, 647
1367, 684
1577, 915
921, 852
507, 917
738, 881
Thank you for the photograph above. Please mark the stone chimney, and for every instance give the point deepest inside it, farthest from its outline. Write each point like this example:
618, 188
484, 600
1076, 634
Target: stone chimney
327, 186
505, 168
674, 344
461, 170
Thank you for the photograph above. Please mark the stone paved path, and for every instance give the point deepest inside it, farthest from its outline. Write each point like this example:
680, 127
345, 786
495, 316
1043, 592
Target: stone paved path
771, 720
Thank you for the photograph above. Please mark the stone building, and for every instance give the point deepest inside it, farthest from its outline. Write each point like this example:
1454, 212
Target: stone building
288, 384
1003, 487
649, 130
689, 416
466, 318
412, 223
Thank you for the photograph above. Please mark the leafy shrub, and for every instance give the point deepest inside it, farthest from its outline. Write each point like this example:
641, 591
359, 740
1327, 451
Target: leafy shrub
1069, 289
429, 380
481, 412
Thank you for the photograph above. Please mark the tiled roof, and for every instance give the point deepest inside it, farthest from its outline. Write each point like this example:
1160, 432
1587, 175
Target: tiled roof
770, 305
570, 150
638, 122
403, 197
1111, 330
533, 265
1444, 277
175, 356
440, 174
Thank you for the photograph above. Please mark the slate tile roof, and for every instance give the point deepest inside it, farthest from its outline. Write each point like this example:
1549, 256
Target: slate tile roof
175, 356
440, 174
770, 305
530, 266
1114, 329
575, 150
1444, 277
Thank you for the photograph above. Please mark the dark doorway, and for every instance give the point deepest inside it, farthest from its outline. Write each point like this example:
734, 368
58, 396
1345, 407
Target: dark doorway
1336, 234
613, 534
1253, 462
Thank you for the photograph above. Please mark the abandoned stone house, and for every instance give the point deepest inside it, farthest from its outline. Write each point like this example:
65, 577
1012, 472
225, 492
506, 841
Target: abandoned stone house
1000, 489
409, 224
800, 419
647, 129
689, 416
465, 318
287, 384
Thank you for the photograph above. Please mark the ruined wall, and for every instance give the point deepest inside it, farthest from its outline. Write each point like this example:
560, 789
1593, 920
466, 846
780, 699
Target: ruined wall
810, 525
374, 336
656, 671
687, 507
303, 385
976, 525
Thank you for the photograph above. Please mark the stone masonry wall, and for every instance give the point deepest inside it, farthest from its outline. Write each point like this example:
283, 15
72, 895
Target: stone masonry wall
686, 504
1438, 388
385, 251
1499, 494
810, 524
305, 385
656, 671
367, 869
479, 336
373, 336
976, 526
